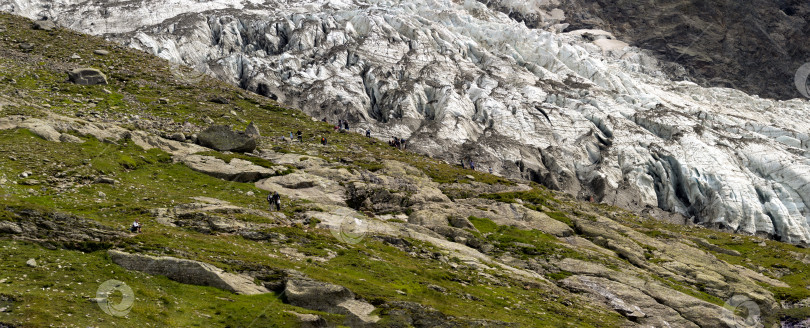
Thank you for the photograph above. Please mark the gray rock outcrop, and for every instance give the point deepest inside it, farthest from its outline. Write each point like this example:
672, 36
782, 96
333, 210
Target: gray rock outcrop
302, 185
321, 296
238, 170
187, 272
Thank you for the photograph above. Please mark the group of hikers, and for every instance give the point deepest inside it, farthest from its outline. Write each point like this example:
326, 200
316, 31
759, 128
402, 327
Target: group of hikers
399, 143
343, 126
298, 135
471, 164
274, 199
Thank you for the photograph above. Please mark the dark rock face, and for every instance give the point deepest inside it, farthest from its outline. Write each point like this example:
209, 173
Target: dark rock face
67, 230
752, 45
222, 138
370, 197
87, 76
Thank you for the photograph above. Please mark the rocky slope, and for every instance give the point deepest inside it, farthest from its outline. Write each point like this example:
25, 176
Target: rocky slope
576, 111
367, 235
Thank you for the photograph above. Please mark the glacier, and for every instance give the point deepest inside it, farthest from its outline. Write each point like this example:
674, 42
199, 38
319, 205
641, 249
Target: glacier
577, 111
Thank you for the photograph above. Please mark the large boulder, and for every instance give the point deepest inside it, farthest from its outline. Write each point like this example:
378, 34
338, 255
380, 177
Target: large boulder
45, 25
87, 76
187, 272
223, 138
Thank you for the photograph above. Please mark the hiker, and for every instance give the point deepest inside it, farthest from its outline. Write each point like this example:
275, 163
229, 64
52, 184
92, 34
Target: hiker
462, 164
271, 200
346, 125
404, 144
490, 170
472, 165
277, 199
368, 133
340, 124
300, 136
291, 136
323, 141
136, 226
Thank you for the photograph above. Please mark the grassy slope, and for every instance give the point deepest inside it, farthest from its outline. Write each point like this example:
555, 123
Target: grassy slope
57, 292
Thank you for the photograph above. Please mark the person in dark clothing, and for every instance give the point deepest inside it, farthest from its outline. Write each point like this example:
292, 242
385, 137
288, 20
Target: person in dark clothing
340, 124
404, 144
368, 133
346, 125
300, 136
462, 164
323, 141
271, 199
472, 165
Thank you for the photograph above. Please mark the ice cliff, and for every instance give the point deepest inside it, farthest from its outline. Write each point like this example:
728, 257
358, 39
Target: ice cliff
577, 111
